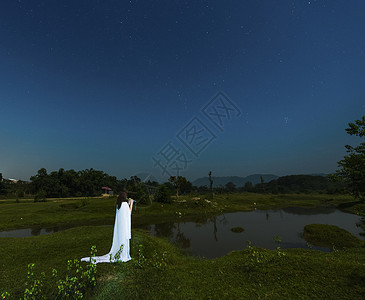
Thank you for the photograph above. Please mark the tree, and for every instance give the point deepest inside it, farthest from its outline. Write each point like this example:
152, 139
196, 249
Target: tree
352, 171
2, 185
248, 187
41, 181
162, 194
262, 183
230, 186
177, 181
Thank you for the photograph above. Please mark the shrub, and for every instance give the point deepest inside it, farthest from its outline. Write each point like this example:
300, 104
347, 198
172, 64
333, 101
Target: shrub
40, 196
163, 194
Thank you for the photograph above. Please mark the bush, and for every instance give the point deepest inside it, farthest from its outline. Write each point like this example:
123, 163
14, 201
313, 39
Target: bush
163, 195
237, 229
40, 196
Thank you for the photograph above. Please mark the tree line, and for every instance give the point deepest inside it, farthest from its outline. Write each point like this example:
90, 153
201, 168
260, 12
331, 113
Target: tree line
88, 183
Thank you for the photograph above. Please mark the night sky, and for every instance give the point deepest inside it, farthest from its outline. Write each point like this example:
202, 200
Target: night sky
179, 87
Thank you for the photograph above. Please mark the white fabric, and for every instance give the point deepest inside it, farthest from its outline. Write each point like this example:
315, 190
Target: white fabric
121, 237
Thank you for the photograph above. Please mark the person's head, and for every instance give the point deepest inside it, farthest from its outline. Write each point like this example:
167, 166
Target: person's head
121, 198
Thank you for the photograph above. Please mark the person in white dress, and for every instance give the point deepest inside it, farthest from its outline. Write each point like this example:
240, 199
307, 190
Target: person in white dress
121, 235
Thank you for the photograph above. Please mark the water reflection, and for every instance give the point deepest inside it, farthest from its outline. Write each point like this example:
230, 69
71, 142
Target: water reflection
34, 231
211, 236
309, 210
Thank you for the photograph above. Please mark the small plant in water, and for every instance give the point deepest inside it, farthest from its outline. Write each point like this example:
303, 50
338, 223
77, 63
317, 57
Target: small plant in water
237, 229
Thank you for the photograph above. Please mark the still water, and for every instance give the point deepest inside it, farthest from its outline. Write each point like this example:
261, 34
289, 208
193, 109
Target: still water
212, 237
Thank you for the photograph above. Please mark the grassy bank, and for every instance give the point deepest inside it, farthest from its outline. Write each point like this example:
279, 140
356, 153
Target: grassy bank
329, 236
296, 274
95, 211
248, 274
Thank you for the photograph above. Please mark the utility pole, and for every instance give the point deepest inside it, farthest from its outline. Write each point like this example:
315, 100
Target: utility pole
211, 184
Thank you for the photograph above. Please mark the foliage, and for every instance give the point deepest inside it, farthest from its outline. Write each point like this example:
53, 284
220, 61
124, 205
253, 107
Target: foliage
292, 184
256, 257
248, 187
158, 261
352, 167
2, 186
63, 183
179, 182
138, 191
162, 195
33, 286
77, 280
14, 189
230, 186
40, 196
140, 261
279, 252
117, 255
5, 295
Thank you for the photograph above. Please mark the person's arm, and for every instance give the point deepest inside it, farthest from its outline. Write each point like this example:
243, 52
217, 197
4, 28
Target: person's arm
131, 204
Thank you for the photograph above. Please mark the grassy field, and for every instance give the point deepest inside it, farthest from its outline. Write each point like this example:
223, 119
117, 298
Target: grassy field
248, 274
96, 211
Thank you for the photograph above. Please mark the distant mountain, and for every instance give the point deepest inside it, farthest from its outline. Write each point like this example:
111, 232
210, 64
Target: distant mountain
303, 184
237, 180
318, 174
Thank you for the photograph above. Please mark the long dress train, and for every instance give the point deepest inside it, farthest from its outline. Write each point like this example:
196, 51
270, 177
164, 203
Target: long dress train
121, 238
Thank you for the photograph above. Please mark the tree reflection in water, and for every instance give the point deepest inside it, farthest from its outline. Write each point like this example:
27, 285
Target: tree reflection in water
361, 224
36, 230
165, 229
181, 240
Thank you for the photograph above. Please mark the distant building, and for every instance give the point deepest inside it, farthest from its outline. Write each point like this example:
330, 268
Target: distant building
13, 180
107, 191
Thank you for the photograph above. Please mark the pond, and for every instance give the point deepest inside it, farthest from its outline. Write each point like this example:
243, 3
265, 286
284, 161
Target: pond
212, 237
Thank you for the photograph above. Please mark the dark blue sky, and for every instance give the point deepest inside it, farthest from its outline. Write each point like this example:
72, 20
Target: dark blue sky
113, 85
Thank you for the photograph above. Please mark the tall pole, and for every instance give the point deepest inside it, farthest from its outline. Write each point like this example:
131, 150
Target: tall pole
211, 183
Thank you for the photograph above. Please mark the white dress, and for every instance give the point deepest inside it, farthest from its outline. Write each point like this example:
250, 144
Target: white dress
121, 238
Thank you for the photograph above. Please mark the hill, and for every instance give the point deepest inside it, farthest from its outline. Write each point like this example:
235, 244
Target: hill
301, 184
237, 180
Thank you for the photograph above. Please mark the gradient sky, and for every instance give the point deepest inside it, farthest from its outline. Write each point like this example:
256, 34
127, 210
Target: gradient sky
110, 85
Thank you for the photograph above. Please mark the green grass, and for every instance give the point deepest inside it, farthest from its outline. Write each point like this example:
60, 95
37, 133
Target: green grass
325, 235
96, 211
299, 274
